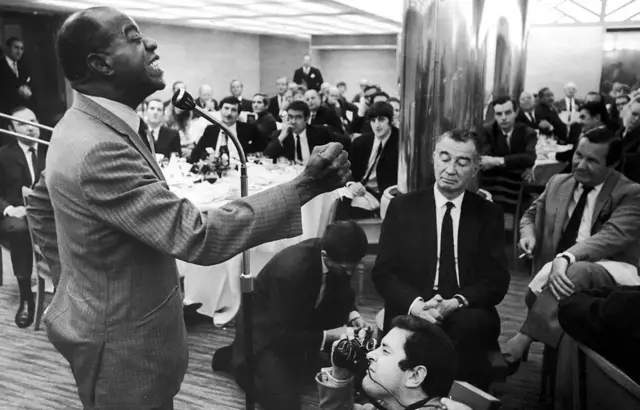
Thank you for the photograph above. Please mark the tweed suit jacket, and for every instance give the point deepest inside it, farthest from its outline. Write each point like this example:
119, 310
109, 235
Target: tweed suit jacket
615, 230
117, 315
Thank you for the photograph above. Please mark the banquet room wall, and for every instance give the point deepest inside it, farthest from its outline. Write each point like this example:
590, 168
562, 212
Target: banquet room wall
279, 56
557, 55
350, 66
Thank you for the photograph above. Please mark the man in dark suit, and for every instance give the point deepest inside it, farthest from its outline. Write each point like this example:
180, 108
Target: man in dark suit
308, 75
582, 232
20, 165
214, 137
118, 317
302, 303
14, 77
205, 99
165, 140
236, 88
374, 161
630, 135
446, 245
322, 116
526, 113
277, 102
508, 146
549, 121
296, 140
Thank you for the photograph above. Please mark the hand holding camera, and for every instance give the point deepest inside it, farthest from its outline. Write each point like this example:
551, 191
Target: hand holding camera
350, 352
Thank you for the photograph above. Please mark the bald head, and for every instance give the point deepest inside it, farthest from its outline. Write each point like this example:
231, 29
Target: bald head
312, 98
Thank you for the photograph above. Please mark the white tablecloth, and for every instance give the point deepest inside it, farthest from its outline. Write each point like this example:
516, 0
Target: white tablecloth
218, 287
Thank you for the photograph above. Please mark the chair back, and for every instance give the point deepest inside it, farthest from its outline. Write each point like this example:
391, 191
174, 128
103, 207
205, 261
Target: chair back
329, 214
45, 250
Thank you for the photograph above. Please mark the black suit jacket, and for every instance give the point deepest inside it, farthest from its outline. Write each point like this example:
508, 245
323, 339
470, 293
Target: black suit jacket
9, 85
313, 79
522, 152
248, 134
246, 105
387, 168
315, 136
522, 118
630, 165
544, 112
406, 265
14, 174
274, 108
168, 142
327, 117
285, 318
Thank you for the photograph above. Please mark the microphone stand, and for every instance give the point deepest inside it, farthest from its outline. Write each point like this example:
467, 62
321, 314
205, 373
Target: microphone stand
34, 124
184, 101
22, 136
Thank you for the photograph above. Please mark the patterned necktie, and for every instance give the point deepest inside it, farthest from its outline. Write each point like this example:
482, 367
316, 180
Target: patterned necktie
34, 165
298, 148
447, 278
570, 234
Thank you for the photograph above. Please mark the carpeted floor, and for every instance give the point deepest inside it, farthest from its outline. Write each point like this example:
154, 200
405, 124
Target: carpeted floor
34, 376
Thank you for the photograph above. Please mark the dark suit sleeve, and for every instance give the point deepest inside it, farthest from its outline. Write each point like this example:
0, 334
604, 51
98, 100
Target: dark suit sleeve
524, 159
319, 75
491, 273
297, 76
357, 124
388, 267
274, 149
334, 122
175, 146
208, 139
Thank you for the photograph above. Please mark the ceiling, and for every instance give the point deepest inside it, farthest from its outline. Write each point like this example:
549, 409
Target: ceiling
301, 18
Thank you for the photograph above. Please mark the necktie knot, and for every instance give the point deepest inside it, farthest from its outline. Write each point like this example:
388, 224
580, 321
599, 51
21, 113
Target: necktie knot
586, 190
450, 205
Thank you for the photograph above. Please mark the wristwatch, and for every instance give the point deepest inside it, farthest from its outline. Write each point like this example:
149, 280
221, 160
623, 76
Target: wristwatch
565, 257
460, 299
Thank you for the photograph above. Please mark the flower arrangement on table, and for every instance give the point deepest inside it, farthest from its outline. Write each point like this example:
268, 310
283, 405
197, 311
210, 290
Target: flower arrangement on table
213, 165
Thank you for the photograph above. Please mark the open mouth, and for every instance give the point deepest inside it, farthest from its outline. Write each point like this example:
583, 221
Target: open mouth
154, 64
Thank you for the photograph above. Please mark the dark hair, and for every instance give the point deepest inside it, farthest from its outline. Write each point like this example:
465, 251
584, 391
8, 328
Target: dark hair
371, 87
594, 94
394, 99
265, 98
230, 100
380, 109
380, 94
300, 106
460, 135
429, 346
79, 36
542, 91
341, 83
17, 109
344, 241
11, 40
603, 135
503, 100
596, 108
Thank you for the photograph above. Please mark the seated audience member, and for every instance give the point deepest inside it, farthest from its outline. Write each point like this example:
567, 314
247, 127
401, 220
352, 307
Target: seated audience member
569, 103
298, 94
166, 141
265, 122
178, 85
360, 125
380, 96
591, 115
302, 303
21, 162
364, 83
296, 139
395, 103
583, 232
322, 116
374, 162
415, 365
205, 99
446, 244
236, 88
606, 320
507, 145
526, 113
616, 109
342, 89
278, 101
214, 137
189, 128
549, 122
630, 134
345, 110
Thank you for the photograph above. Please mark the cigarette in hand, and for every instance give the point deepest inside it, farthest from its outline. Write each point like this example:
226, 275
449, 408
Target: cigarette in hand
522, 255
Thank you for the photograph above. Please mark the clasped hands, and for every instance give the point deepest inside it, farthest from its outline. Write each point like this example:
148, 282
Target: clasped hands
435, 310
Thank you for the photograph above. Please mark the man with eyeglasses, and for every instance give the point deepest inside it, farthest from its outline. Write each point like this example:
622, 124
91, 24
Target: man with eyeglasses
444, 246
630, 134
303, 302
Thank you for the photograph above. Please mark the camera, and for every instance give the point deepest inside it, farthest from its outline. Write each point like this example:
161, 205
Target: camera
351, 354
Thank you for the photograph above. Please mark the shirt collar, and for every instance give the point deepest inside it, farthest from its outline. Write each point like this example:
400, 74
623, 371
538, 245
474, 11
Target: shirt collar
325, 270
11, 62
595, 189
125, 113
24, 147
303, 133
441, 200
384, 140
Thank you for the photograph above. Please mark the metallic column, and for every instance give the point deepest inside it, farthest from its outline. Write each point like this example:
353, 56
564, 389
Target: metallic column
456, 55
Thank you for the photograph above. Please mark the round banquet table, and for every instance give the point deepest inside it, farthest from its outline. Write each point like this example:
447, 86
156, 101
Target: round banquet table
218, 287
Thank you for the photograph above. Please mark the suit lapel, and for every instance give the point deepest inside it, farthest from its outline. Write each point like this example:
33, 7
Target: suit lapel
94, 109
425, 216
604, 196
467, 235
565, 194
20, 157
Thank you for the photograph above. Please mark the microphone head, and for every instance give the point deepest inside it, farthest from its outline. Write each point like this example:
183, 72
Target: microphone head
183, 100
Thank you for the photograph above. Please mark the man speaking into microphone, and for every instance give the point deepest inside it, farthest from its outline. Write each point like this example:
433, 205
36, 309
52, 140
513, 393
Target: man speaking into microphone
117, 317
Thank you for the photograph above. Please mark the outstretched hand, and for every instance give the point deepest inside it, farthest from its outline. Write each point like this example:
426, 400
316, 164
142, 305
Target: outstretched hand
328, 169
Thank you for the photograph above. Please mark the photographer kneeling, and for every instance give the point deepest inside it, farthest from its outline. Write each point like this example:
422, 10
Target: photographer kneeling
413, 367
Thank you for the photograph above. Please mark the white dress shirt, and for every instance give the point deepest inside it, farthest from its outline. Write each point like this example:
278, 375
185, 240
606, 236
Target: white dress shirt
304, 146
378, 143
323, 287
531, 116
155, 132
223, 140
441, 209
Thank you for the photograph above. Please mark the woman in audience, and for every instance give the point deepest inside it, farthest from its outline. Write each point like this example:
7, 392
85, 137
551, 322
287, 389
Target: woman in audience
183, 121
395, 103
265, 121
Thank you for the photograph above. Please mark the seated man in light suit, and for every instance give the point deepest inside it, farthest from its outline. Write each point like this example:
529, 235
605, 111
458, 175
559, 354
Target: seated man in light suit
414, 365
585, 230
447, 244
